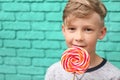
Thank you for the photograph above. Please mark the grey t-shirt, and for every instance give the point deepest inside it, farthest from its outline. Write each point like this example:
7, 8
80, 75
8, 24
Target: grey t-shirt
104, 71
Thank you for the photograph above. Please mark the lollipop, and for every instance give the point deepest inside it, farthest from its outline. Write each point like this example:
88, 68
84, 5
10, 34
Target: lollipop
75, 60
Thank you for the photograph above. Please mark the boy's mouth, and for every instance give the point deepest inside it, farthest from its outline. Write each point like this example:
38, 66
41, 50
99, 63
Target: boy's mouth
78, 46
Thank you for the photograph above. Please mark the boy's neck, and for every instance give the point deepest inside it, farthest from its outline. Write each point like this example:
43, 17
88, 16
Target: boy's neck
95, 60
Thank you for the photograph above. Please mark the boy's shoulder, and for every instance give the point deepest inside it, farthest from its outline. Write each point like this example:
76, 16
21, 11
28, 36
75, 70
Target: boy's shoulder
110, 70
55, 72
55, 66
111, 67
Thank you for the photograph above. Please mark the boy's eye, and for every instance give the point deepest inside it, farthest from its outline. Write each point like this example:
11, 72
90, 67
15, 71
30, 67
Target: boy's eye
88, 29
71, 28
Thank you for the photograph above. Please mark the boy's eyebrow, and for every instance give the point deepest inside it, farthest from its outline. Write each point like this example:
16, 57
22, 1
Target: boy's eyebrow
87, 25
70, 25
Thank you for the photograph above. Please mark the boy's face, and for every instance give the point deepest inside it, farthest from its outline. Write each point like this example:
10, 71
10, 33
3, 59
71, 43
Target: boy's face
84, 32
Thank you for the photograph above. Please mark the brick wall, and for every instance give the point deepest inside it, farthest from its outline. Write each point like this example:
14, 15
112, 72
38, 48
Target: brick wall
31, 38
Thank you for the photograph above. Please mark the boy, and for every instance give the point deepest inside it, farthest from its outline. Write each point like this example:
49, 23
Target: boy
83, 26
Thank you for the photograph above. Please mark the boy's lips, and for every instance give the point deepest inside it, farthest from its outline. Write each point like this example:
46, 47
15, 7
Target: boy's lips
78, 46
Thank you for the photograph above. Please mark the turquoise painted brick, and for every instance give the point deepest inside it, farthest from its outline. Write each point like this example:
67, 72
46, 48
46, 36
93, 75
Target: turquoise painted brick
101, 54
46, 44
53, 53
44, 61
112, 56
30, 16
18, 77
6, 0
37, 38
115, 0
38, 78
110, 6
7, 52
63, 45
115, 46
1, 60
15, 7
0, 7
7, 34
17, 43
0, 43
46, 26
45, 7
104, 0
63, 6
54, 16
55, 0
114, 26
7, 16
7, 69
101, 46
55, 35
30, 53
17, 61
0, 26
114, 36
30, 0
108, 46
66, 0
2, 77
30, 35
30, 70
16, 26
116, 16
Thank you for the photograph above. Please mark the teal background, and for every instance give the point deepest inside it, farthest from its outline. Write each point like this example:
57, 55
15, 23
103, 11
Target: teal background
31, 38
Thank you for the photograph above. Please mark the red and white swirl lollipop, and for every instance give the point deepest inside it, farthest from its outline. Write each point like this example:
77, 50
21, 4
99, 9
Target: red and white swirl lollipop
75, 60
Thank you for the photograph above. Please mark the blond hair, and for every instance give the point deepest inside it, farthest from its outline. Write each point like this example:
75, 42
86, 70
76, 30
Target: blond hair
83, 8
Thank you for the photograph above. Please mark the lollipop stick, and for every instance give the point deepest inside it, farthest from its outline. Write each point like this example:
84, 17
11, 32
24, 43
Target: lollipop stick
74, 76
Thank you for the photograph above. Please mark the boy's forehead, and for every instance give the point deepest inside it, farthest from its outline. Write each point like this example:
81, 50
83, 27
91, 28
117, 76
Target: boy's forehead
71, 18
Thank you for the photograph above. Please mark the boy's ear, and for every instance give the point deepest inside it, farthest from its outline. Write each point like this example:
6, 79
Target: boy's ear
63, 29
102, 33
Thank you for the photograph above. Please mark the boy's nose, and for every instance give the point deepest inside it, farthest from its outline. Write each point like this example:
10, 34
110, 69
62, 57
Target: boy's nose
79, 36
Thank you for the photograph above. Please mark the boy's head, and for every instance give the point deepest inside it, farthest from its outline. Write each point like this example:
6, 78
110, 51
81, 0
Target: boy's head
83, 21
83, 8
